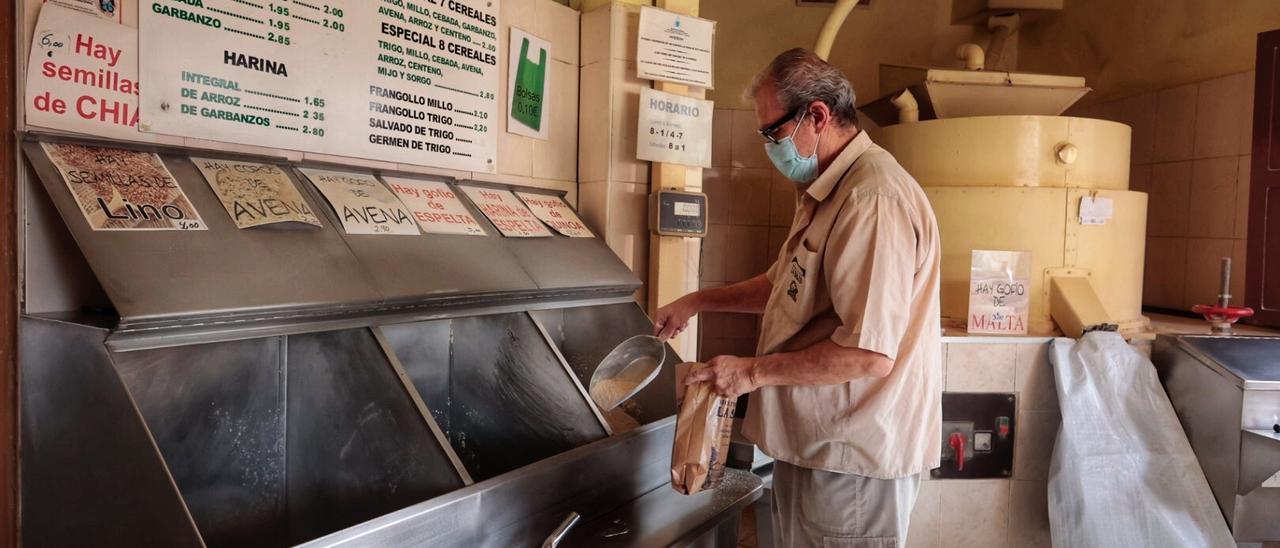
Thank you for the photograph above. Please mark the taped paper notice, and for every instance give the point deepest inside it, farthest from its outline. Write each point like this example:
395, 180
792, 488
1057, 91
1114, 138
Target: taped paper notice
109, 10
527, 81
999, 292
435, 206
362, 204
255, 194
82, 75
123, 189
506, 212
557, 214
1096, 211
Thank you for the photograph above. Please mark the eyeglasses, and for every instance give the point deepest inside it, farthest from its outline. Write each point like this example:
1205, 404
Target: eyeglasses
768, 131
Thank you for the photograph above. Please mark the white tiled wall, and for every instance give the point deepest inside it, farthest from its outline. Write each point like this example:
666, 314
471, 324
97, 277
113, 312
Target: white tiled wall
1191, 146
751, 206
996, 513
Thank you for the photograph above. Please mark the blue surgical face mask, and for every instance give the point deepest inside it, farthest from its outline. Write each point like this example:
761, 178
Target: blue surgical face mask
787, 159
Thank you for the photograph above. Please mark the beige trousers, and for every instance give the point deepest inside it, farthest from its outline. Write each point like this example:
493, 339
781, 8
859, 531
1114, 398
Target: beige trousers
815, 508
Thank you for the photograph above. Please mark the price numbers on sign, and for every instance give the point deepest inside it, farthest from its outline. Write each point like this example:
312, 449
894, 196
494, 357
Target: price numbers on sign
666, 133
674, 129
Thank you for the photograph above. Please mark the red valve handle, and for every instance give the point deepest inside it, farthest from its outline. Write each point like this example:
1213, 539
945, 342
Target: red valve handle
957, 442
1227, 314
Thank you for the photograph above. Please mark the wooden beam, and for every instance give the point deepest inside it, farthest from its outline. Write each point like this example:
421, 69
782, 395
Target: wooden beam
9, 165
668, 255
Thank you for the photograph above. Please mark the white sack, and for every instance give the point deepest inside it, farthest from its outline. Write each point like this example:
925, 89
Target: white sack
1123, 473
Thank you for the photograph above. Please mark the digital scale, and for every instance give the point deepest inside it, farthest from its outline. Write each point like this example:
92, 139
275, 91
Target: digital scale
678, 213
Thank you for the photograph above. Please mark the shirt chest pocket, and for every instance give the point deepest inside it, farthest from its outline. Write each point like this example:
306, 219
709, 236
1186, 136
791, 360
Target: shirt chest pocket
800, 280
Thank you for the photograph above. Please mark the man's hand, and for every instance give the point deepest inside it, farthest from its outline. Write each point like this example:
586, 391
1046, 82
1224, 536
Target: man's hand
730, 376
672, 319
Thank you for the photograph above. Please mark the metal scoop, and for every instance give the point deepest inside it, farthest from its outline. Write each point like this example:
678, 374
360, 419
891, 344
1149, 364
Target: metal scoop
626, 370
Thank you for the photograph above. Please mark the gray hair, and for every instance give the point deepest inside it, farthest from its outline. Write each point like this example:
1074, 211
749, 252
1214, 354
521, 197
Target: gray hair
801, 77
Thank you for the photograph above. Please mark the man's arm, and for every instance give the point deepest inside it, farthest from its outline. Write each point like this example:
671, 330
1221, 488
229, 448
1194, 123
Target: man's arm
823, 363
749, 295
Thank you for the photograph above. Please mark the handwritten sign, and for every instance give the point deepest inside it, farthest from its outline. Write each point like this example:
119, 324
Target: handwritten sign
435, 206
506, 212
1096, 211
362, 204
999, 292
123, 189
557, 214
255, 194
82, 75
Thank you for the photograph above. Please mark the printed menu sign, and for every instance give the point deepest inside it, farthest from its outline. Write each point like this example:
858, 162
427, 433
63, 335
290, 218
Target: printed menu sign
82, 75
674, 129
123, 189
557, 214
506, 212
255, 194
434, 206
362, 204
999, 292
410, 81
675, 48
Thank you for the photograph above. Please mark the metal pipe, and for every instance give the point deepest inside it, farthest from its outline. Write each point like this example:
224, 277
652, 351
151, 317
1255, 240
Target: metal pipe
908, 108
973, 56
830, 28
1224, 295
1002, 28
563, 529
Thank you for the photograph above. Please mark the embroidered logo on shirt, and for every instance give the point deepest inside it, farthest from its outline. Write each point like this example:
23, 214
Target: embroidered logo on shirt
797, 279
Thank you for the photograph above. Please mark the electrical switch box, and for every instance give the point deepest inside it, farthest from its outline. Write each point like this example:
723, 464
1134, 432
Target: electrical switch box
977, 435
678, 213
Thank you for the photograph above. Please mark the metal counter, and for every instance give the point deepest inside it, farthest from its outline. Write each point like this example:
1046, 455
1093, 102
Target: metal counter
269, 387
1226, 392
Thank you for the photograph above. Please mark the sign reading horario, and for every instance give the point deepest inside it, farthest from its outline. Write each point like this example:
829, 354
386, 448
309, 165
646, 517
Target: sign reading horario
271, 74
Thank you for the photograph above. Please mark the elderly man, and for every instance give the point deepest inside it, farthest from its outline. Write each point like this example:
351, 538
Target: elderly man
846, 385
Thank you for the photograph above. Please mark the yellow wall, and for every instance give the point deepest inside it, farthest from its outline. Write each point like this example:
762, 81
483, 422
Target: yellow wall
750, 32
1125, 48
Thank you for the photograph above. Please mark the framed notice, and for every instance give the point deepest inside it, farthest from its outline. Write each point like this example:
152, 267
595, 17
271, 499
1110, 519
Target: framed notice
675, 48
528, 85
434, 206
413, 82
361, 203
256, 194
556, 213
123, 189
674, 129
512, 218
82, 75
999, 292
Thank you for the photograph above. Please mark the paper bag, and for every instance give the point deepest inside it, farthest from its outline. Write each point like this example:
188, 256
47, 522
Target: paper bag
703, 427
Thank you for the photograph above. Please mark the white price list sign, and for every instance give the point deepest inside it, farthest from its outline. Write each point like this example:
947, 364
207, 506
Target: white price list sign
398, 81
674, 129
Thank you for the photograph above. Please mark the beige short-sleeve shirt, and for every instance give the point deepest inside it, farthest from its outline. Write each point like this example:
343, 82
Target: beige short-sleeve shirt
859, 267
